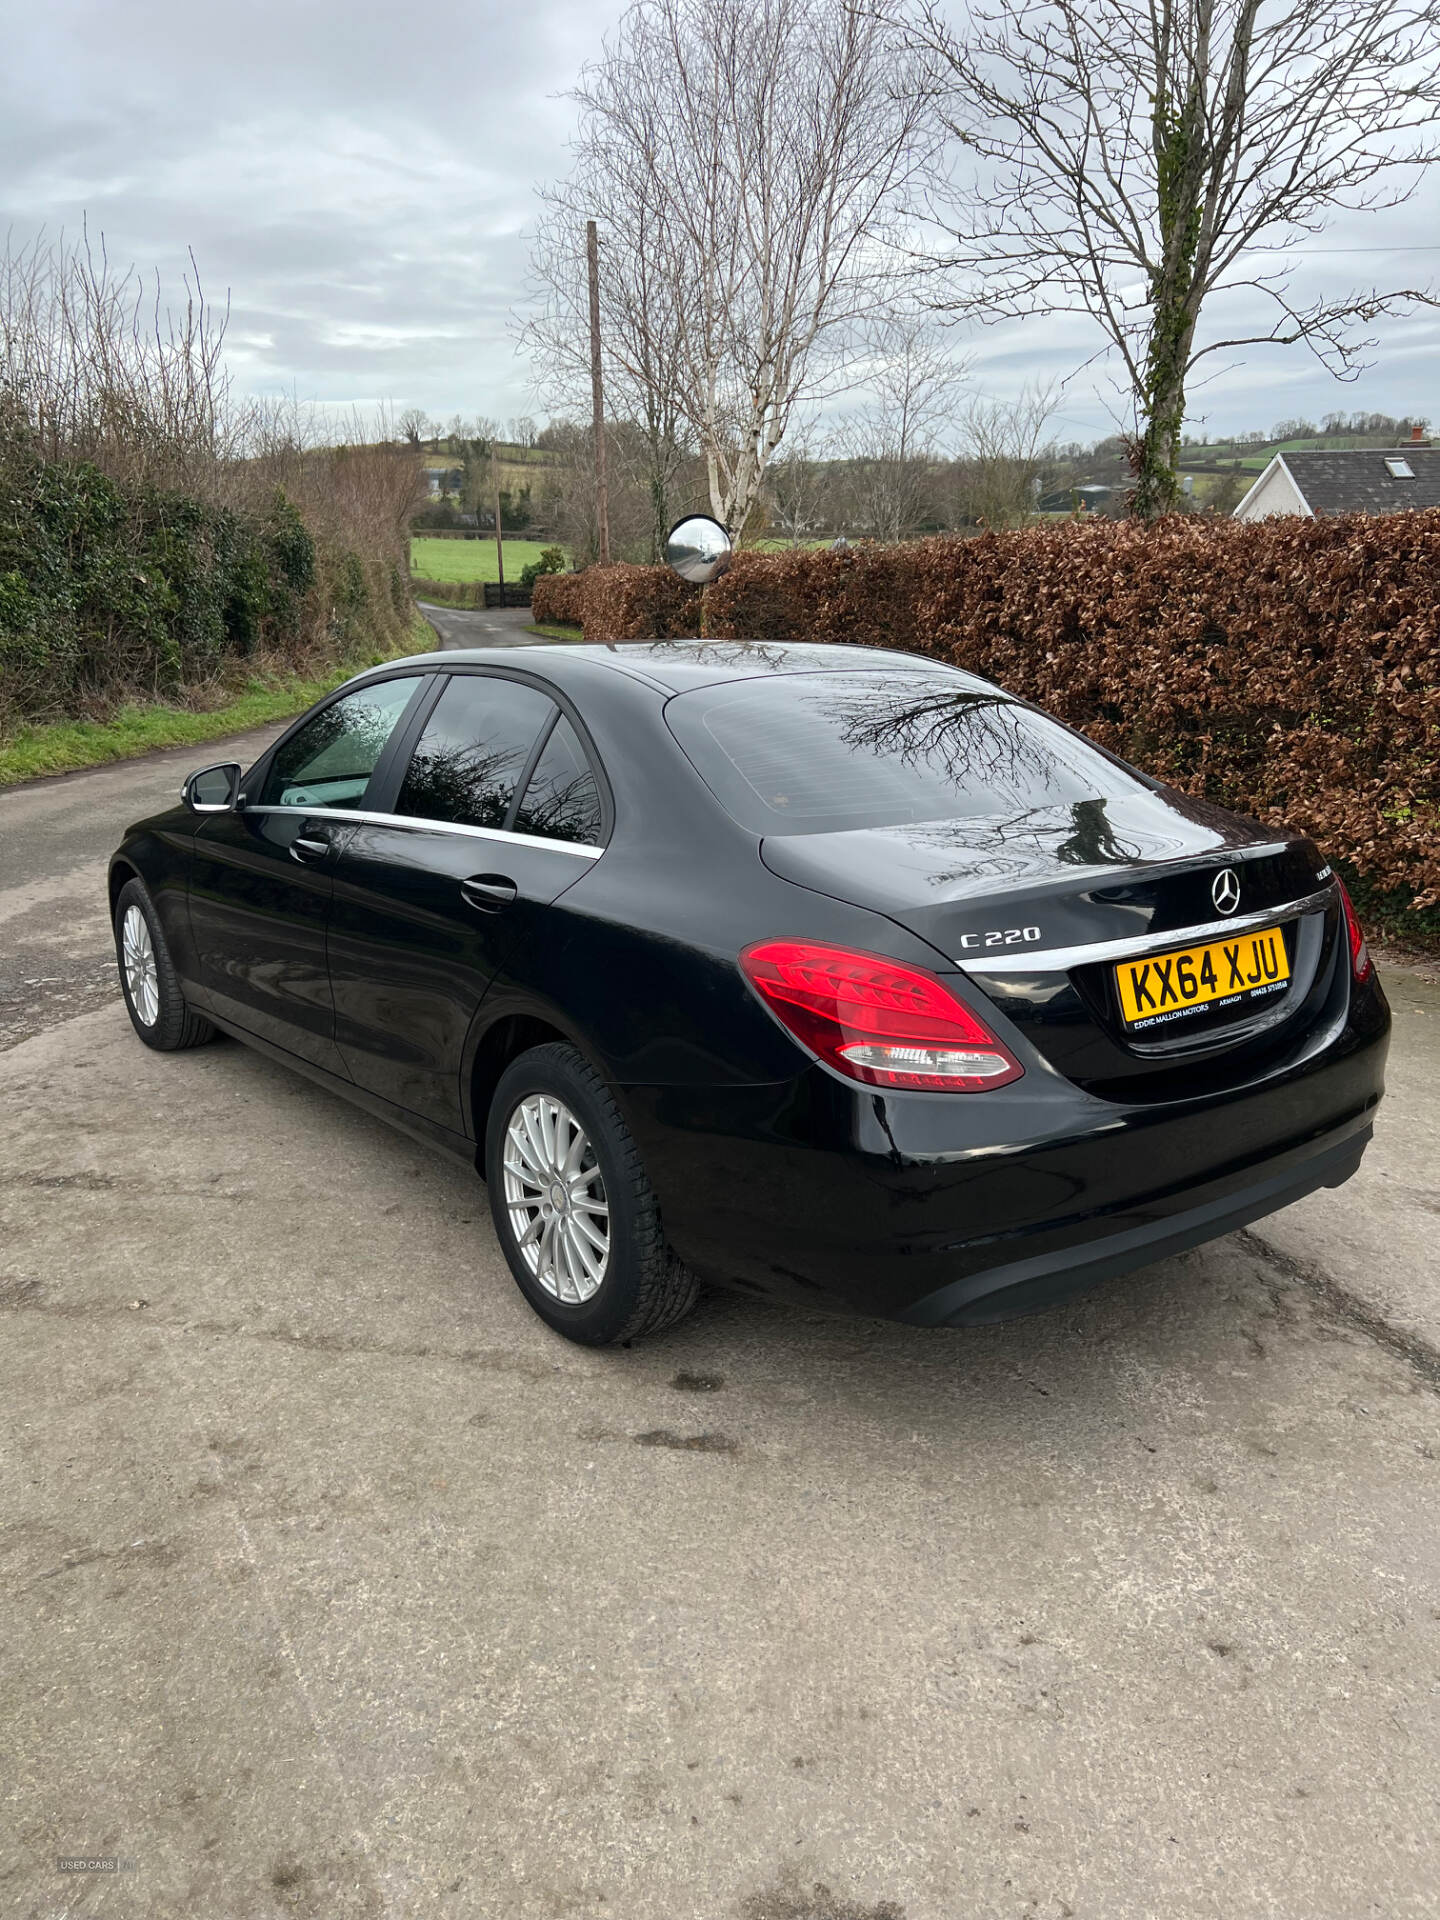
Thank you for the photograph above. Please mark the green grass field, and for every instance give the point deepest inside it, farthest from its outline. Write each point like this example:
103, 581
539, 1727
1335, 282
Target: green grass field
457, 560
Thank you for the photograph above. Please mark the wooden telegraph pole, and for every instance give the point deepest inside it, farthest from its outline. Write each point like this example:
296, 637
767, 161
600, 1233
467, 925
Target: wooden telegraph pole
499, 533
602, 499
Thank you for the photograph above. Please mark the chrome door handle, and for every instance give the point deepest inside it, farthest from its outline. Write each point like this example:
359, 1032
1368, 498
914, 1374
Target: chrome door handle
303, 848
488, 892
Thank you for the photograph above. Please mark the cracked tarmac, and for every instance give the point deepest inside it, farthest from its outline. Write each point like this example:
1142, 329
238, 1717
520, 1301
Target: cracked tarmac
333, 1584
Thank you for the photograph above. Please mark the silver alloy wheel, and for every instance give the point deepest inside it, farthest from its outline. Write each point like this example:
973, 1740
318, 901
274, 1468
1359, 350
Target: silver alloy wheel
142, 976
555, 1198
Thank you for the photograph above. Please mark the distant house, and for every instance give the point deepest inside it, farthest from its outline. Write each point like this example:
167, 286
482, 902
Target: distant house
1086, 499
1363, 480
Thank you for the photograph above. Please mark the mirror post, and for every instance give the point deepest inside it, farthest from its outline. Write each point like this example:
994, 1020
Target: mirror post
597, 394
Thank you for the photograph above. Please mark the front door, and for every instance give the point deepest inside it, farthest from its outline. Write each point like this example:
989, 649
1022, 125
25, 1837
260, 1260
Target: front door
262, 877
496, 815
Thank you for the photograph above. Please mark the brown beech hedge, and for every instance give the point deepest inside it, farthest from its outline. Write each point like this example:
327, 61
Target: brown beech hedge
1287, 668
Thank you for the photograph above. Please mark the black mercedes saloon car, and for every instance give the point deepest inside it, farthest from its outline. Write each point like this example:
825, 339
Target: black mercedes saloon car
826, 972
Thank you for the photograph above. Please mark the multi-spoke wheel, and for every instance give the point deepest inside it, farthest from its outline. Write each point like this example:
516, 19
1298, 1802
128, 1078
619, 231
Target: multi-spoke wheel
148, 979
137, 957
555, 1194
574, 1212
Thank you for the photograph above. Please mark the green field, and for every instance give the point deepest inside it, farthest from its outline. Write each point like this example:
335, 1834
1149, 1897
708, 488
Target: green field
457, 560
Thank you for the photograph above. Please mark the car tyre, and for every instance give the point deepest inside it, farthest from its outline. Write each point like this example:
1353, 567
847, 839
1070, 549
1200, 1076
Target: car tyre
148, 980
549, 1215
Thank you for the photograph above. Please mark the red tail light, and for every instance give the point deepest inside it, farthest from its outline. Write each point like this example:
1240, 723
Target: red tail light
877, 1020
1361, 965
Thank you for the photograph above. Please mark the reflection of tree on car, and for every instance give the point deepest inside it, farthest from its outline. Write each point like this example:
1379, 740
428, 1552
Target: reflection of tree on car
565, 813
1094, 842
464, 784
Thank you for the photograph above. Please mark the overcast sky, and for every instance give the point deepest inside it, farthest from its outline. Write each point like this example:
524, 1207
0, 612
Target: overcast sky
359, 183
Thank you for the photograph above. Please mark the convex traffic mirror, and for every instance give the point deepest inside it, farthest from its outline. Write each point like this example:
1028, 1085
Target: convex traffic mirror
698, 548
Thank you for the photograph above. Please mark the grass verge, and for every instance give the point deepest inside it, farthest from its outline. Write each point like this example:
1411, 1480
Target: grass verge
70, 745
557, 633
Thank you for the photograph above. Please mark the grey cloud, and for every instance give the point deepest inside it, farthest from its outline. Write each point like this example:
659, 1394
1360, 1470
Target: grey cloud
359, 178
356, 179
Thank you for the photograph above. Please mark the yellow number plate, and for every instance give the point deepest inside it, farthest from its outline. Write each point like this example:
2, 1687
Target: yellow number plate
1221, 973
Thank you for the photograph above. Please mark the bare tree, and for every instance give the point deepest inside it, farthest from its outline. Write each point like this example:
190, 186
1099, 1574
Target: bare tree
103, 369
568, 500
745, 159
415, 425
891, 442
641, 333
1136, 161
797, 483
1002, 453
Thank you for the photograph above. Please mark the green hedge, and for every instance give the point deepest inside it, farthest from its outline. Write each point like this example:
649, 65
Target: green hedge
107, 590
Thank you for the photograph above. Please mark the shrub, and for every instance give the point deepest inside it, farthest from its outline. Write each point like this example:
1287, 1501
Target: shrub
440, 514
552, 560
620, 602
1287, 668
559, 599
111, 589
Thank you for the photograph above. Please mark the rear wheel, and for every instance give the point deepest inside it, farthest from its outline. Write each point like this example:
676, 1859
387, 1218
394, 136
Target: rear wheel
148, 978
574, 1212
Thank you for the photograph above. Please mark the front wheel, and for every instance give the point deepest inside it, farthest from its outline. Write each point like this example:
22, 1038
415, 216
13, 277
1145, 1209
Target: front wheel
148, 978
574, 1212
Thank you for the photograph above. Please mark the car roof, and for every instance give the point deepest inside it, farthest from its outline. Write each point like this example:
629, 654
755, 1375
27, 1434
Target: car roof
674, 666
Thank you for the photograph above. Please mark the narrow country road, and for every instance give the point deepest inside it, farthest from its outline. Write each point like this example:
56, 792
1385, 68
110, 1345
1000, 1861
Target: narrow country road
57, 954
486, 627
335, 1584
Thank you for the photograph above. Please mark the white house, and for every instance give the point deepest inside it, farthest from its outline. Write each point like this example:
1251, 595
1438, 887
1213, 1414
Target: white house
1362, 480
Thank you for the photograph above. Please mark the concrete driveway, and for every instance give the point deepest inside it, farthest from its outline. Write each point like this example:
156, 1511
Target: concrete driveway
333, 1584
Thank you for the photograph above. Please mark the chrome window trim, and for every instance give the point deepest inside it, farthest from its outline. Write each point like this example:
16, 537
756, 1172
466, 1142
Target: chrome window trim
1062, 959
415, 824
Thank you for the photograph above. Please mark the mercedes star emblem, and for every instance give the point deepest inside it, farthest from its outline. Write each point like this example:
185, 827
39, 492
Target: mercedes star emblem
1225, 891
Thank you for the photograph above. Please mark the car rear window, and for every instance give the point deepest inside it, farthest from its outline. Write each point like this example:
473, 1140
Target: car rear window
828, 753
473, 751
561, 800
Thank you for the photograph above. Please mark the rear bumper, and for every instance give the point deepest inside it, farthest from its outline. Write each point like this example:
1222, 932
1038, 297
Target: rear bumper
1028, 1286
952, 1210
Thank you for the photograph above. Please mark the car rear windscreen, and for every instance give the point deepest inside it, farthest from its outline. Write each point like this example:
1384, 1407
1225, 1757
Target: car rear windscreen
829, 753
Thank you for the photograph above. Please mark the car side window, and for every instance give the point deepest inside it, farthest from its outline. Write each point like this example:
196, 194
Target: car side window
468, 761
562, 796
328, 763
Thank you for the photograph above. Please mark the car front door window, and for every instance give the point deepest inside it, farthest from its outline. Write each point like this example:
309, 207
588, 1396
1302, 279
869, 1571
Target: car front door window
328, 763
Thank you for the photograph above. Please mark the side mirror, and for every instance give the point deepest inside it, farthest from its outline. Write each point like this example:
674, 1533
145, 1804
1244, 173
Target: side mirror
698, 549
213, 789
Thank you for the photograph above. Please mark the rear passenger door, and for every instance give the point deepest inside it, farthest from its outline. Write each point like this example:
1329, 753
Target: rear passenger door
496, 809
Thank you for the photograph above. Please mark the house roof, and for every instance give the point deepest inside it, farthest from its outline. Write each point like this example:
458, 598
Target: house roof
1358, 480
